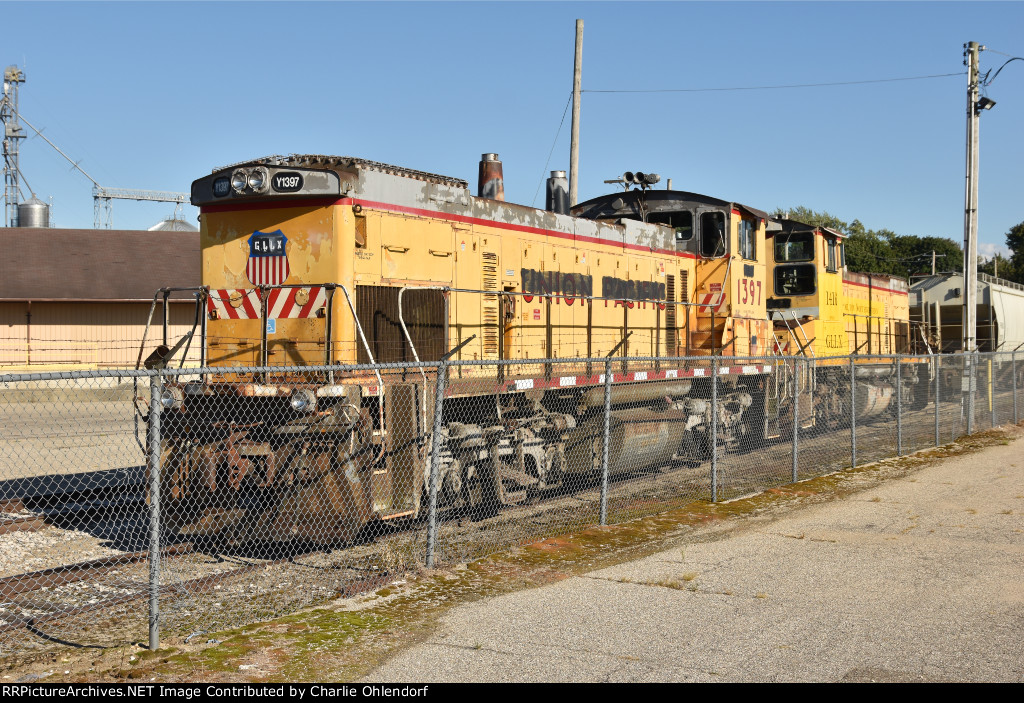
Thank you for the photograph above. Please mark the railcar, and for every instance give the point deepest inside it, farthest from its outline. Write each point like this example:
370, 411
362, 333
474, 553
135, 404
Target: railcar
311, 261
937, 310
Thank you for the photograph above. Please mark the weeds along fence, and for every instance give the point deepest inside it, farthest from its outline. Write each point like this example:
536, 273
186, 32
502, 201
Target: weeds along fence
140, 504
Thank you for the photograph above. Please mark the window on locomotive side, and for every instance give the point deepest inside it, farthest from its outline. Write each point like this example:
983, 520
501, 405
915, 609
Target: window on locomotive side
684, 226
793, 280
713, 242
832, 256
798, 246
748, 246
681, 221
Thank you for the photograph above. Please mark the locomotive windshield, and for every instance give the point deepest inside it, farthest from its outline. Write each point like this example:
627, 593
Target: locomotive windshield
798, 246
712, 235
794, 280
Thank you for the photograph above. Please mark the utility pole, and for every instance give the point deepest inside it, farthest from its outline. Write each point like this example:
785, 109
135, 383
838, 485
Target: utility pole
574, 145
933, 262
970, 322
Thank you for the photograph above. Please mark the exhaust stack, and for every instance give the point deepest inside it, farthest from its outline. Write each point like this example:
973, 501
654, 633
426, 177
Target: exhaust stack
491, 183
557, 199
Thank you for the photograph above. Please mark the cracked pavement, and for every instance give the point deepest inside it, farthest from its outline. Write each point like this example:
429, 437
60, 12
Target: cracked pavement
916, 579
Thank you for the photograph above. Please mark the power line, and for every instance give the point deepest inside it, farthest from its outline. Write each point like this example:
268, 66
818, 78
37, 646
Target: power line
986, 81
564, 113
994, 51
776, 87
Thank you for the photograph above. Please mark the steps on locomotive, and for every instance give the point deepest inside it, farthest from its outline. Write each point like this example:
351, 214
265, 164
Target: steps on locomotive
703, 336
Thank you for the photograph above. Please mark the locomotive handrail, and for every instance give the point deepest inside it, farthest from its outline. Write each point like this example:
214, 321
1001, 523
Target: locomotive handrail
408, 338
369, 355
200, 293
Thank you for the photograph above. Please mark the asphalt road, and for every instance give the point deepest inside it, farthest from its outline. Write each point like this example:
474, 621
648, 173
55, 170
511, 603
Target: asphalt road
917, 579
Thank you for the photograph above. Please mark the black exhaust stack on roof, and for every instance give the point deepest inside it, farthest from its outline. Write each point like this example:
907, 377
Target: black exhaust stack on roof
557, 199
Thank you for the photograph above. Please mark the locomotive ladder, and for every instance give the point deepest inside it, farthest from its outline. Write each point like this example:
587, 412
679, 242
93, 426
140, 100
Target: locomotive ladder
807, 342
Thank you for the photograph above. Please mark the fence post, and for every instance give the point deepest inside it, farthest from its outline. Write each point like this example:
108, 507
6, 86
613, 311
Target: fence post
992, 387
969, 377
899, 406
155, 408
1013, 368
435, 460
853, 414
796, 415
714, 428
938, 367
607, 438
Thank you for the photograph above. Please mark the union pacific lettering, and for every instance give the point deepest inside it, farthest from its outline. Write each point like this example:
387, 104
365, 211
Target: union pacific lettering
622, 291
568, 287
560, 286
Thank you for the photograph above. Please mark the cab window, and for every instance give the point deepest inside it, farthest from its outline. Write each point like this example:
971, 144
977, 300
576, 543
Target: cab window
794, 280
713, 242
748, 247
798, 246
681, 222
832, 256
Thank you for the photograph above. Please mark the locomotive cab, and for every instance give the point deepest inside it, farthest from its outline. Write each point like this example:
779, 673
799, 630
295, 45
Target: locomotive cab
728, 314
806, 302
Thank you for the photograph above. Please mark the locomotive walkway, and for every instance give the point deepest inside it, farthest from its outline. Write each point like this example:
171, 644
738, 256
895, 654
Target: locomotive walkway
920, 578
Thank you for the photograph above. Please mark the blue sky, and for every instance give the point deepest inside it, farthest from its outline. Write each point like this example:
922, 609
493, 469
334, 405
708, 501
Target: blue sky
155, 95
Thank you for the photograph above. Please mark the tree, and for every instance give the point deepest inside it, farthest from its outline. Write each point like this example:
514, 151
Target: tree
1015, 243
884, 251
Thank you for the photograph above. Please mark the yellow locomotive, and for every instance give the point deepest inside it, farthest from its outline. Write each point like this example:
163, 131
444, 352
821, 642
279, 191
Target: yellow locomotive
318, 261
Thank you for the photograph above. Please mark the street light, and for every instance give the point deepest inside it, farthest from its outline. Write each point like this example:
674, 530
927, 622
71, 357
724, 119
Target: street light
983, 104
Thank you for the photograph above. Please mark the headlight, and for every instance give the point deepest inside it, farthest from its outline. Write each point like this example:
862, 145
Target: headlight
171, 398
303, 400
239, 180
258, 179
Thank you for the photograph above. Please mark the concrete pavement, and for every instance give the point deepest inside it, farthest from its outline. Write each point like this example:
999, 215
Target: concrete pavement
916, 579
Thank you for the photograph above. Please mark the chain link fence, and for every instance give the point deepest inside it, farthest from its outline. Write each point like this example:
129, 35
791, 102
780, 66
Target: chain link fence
141, 504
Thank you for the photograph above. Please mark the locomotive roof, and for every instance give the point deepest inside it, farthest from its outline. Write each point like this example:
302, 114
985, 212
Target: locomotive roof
347, 163
419, 192
653, 201
794, 226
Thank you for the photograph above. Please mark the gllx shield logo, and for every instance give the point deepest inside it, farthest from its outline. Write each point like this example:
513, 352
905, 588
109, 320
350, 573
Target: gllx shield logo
268, 262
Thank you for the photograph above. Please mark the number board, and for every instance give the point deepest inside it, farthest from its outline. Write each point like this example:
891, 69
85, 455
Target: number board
287, 182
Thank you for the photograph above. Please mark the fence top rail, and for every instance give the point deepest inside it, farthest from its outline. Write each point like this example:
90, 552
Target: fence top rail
408, 365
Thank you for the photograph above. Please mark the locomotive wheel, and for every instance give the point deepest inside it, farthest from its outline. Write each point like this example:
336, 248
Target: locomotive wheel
480, 493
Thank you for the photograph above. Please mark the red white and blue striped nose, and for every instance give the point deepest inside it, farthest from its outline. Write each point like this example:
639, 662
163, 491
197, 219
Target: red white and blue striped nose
267, 270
